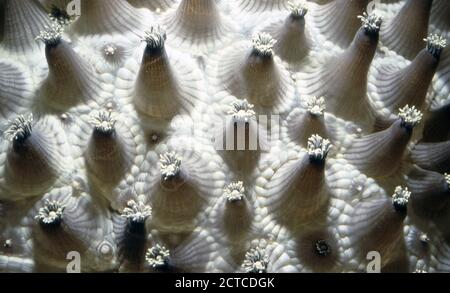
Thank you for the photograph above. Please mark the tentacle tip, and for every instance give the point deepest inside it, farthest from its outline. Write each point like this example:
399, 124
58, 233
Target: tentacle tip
8, 243
318, 148
241, 111
263, 44
157, 257
19, 129
298, 8
316, 106
51, 213
435, 44
104, 121
410, 116
136, 212
371, 23
110, 50
255, 261
424, 238
322, 248
235, 191
170, 165
155, 37
400, 198
51, 35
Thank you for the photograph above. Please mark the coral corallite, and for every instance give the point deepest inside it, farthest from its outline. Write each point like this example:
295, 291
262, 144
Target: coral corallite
225, 136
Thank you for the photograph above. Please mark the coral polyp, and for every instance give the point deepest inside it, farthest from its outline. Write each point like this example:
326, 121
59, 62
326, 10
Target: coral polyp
255, 261
322, 248
316, 106
52, 35
51, 213
155, 37
371, 23
410, 116
257, 136
235, 191
242, 111
157, 257
318, 147
169, 164
263, 44
104, 122
136, 212
435, 44
298, 8
401, 197
20, 128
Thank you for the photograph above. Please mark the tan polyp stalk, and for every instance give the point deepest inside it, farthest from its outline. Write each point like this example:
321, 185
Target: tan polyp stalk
69, 80
197, 19
305, 126
430, 193
384, 231
344, 81
107, 16
293, 44
106, 158
261, 79
340, 23
410, 85
29, 165
308, 194
236, 220
156, 90
406, 31
380, 154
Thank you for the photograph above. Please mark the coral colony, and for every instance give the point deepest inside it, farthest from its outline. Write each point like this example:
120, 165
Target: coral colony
225, 136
